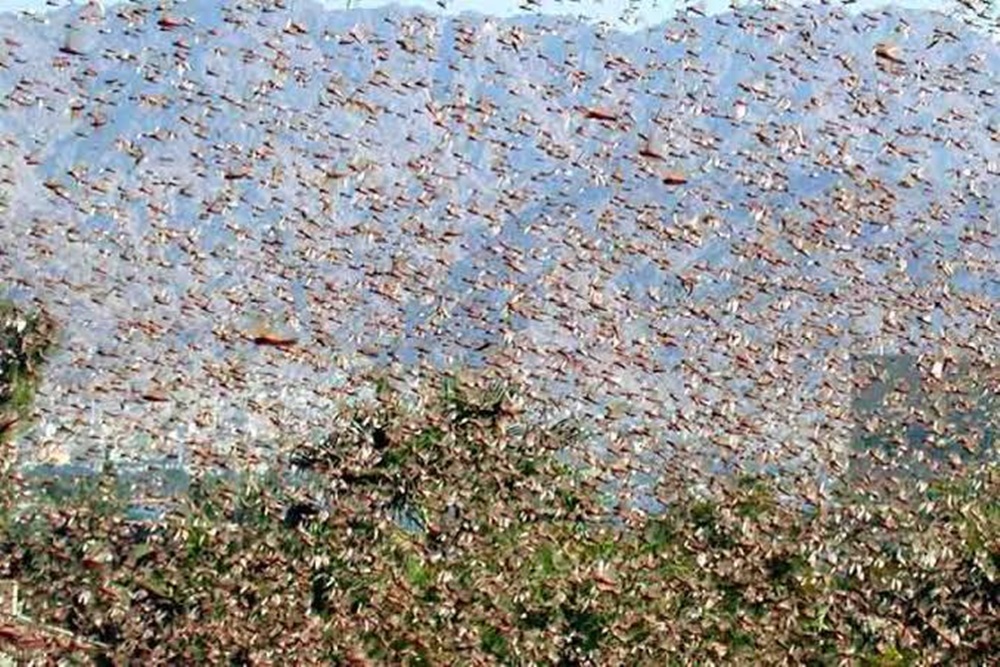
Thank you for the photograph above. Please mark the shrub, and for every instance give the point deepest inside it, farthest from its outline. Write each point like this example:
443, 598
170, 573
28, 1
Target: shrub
25, 340
452, 529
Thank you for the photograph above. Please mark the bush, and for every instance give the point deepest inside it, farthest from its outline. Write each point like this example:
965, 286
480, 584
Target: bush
25, 339
453, 529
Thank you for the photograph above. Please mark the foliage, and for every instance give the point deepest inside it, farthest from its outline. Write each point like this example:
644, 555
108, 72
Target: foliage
25, 340
453, 529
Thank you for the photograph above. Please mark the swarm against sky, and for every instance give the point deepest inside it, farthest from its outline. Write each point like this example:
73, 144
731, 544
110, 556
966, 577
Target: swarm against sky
686, 235
623, 13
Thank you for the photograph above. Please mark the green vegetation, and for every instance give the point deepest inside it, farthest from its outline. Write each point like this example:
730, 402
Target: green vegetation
25, 340
453, 530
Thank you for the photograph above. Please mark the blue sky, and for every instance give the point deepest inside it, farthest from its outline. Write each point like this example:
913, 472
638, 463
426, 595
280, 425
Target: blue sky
648, 11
